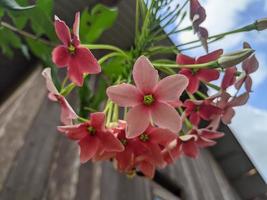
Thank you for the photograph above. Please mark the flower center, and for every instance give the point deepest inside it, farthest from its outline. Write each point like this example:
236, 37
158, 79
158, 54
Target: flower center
148, 99
144, 137
91, 130
124, 142
71, 49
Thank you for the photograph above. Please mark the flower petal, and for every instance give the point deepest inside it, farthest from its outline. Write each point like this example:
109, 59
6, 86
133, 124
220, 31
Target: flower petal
88, 148
74, 73
98, 120
86, 61
229, 77
67, 112
137, 121
73, 132
248, 84
210, 57
46, 73
182, 59
76, 25
147, 169
125, 95
144, 74
162, 136
208, 74
60, 56
110, 142
62, 31
228, 115
250, 65
171, 88
190, 148
165, 116
193, 85
240, 100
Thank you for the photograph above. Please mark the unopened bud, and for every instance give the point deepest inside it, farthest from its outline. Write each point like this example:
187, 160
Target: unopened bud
261, 24
232, 59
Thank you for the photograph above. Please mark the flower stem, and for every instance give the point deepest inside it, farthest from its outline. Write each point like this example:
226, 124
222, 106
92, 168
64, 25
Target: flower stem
105, 47
202, 95
212, 85
108, 56
212, 64
26, 34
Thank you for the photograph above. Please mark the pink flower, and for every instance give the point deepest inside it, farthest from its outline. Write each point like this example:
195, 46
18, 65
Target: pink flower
148, 144
202, 109
93, 137
226, 102
146, 166
67, 113
149, 99
249, 66
195, 76
71, 54
229, 77
205, 137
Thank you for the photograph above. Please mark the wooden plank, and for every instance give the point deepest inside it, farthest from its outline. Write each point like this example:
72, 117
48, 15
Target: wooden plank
29, 174
16, 116
201, 179
64, 171
116, 186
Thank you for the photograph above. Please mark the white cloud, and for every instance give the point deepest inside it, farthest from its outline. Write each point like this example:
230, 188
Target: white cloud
249, 127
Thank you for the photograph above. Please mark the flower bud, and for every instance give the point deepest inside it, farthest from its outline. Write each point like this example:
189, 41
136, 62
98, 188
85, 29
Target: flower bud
261, 24
232, 59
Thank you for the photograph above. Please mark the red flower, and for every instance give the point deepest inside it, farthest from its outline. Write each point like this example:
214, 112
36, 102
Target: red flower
67, 113
93, 137
71, 54
197, 110
195, 76
148, 145
149, 99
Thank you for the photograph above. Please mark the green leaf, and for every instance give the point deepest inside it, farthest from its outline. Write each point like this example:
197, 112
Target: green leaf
8, 40
85, 97
95, 23
40, 50
13, 5
114, 67
100, 94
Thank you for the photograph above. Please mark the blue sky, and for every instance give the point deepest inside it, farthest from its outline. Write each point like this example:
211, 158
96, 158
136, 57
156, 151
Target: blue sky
249, 124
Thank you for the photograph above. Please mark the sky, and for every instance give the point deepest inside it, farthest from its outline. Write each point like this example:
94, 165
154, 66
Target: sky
250, 122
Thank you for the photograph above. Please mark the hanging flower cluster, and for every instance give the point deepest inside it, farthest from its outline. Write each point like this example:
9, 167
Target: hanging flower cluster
151, 119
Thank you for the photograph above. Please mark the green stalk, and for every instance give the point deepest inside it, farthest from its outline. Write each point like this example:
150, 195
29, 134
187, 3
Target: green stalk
105, 47
212, 64
247, 28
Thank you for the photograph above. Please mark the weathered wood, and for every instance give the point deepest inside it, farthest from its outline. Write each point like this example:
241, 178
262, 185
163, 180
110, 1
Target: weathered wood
16, 116
116, 186
29, 174
199, 179
64, 171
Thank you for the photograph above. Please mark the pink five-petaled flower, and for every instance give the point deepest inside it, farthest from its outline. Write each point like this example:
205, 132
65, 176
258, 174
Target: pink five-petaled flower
71, 54
149, 99
226, 103
197, 75
93, 137
200, 109
67, 113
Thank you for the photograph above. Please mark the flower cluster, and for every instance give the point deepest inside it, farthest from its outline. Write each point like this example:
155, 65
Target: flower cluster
163, 117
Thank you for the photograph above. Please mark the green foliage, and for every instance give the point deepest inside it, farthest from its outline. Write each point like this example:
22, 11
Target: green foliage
8, 40
13, 5
114, 67
85, 97
94, 23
